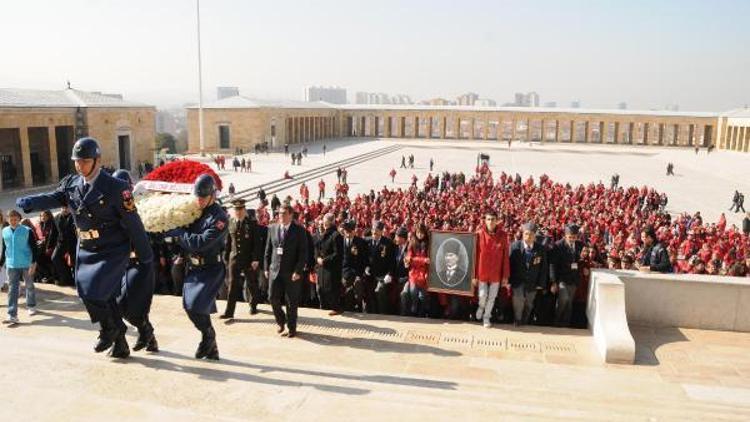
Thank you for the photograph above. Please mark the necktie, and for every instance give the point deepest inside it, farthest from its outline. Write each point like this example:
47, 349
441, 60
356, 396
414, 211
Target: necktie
85, 190
283, 234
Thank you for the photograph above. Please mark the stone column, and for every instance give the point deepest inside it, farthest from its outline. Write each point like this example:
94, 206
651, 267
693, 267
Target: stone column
513, 130
486, 129
473, 129
544, 130
53, 171
443, 123
557, 131
616, 134
458, 128
691, 134
429, 127
603, 128
631, 133
528, 130
645, 133
572, 131
661, 134
26, 157
587, 135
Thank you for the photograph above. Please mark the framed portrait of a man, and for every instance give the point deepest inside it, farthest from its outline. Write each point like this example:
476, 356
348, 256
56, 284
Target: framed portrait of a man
452, 257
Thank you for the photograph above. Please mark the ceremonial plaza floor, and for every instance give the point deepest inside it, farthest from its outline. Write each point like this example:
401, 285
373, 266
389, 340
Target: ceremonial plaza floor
702, 182
360, 367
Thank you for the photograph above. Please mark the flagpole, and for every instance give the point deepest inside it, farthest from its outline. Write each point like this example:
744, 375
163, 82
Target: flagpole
200, 83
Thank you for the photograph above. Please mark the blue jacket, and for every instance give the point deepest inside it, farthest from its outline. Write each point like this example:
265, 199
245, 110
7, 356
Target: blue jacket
108, 211
19, 249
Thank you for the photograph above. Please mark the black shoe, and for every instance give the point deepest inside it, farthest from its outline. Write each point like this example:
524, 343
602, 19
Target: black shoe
153, 345
207, 347
106, 340
145, 336
292, 333
226, 316
213, 354
254, 310
120, 349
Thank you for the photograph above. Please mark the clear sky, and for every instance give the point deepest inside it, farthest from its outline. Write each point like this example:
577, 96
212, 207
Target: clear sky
646, 53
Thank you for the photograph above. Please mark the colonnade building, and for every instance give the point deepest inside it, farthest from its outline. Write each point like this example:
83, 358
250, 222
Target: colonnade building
38, 129
240, 122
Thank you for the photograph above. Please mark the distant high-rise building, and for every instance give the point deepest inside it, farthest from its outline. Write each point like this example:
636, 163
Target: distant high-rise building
485, 102
467, 99
401, 99
381, 98
526, 100
550, 104
333, 94
622, 105
575, 104
226, 92
532, 99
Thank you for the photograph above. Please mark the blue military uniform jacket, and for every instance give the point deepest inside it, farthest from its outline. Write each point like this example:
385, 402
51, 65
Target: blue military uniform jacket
107, 223
203, 243
137, 290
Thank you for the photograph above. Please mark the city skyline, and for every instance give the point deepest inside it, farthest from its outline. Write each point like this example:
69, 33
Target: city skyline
645, 54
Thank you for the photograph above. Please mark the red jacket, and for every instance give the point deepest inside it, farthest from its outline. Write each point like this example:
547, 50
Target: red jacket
418, 267
493, 263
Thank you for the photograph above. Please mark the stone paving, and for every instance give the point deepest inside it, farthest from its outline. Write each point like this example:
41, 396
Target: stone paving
365, 368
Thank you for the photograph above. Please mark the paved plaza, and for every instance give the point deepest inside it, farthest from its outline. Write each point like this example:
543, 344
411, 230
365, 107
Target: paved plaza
701, 183
390, 368
377, 368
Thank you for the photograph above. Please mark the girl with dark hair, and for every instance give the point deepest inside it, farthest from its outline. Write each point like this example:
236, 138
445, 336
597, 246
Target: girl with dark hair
46, 245
417, 261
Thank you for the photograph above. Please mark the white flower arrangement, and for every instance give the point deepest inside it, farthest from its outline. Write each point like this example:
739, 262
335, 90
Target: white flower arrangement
161, 212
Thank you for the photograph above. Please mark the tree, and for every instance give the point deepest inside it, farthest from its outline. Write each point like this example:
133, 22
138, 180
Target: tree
166, 140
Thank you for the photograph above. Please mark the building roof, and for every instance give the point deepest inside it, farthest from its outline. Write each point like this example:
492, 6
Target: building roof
12, 97
427, 107
239, 101
737, 112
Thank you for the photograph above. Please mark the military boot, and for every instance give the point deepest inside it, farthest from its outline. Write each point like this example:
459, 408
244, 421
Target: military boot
146, 338
107, 335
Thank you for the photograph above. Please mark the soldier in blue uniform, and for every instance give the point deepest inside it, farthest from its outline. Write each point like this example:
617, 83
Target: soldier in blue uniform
137, 291
107, 224
204, 242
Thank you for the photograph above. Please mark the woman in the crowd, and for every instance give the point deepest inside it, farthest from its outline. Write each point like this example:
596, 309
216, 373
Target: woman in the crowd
46, 246
417, 260
3, 273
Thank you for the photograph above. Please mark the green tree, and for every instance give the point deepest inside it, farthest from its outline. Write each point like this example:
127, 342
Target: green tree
166, 140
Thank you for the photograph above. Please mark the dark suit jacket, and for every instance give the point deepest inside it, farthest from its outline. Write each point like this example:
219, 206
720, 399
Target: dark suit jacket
295, 252
533, 275
354, 265
562, 260
381, 255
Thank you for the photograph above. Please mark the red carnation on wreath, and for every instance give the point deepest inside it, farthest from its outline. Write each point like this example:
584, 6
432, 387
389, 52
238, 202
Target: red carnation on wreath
182, 171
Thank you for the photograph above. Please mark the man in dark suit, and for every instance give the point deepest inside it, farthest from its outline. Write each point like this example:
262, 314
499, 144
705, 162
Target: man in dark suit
329, 249
529, 272
565, 274
354, 262
380, 272
285, 258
